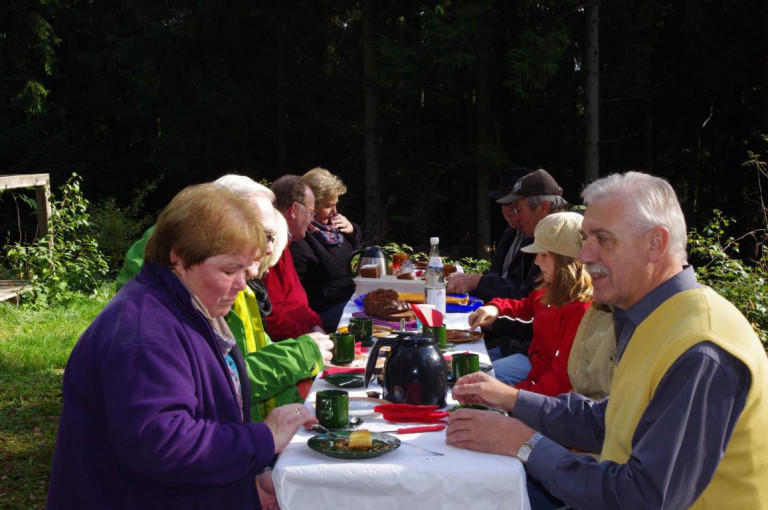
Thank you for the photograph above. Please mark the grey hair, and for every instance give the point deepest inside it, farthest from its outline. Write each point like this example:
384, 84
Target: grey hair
244, 186
281, 242
651, 201
556, 202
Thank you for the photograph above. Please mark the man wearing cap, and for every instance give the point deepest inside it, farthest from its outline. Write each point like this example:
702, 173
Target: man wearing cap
684, 425
513, 273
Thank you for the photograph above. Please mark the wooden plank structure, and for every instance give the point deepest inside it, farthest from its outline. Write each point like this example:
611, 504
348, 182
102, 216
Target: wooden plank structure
11, 289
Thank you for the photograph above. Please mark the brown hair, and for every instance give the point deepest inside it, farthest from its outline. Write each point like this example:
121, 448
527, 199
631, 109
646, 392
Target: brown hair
202, 221
571, 282
289, 189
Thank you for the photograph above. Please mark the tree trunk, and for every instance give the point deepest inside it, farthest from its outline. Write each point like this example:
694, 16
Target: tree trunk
765, 67
374, 217
483, 140
283, 163
592, 91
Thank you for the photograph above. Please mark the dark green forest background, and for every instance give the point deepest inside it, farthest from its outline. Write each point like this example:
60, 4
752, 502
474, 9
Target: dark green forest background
418, 106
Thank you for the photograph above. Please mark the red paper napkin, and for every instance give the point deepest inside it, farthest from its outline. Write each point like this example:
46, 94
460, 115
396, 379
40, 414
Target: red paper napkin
409, 413
342, 370
427, 315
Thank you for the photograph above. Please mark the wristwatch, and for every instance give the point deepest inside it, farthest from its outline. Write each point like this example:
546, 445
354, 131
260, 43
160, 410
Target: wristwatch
525, 450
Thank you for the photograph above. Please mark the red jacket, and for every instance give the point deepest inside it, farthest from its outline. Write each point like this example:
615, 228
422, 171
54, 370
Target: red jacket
291, 315
553, 331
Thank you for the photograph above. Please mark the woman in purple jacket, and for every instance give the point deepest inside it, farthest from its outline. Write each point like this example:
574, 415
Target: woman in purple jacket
156, 411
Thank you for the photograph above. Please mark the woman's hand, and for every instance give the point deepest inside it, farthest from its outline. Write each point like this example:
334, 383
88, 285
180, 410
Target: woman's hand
483, 317
342, 223
266, 489
285, 420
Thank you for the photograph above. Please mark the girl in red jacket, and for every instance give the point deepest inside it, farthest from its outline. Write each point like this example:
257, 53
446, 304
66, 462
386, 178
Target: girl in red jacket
556, 307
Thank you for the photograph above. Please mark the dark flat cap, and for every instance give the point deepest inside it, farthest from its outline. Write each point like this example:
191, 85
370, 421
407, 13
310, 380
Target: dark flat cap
538, 182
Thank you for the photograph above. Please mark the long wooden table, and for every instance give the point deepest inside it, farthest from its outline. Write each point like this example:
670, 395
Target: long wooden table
404, 478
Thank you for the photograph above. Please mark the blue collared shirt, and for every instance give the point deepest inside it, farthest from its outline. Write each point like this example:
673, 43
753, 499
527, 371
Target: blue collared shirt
678, 442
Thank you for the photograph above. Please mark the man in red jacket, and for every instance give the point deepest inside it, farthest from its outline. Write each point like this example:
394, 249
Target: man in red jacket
291, 315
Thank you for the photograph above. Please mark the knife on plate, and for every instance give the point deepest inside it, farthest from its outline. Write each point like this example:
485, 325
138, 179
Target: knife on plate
412, 430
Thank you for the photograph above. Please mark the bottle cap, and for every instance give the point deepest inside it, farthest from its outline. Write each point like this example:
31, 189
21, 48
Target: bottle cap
434, 240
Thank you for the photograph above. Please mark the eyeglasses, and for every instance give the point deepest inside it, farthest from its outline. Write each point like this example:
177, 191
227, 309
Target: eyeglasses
515, 209
312, 211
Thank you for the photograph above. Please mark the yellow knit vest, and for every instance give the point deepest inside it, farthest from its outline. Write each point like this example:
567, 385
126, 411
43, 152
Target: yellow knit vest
246, 325
741, 479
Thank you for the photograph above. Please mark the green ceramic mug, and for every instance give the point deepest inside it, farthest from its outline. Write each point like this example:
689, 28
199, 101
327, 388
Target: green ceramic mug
463, 363
362, 328
343, 348
438, 332
332, 408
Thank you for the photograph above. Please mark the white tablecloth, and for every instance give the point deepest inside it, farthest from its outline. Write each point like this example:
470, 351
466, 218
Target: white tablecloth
405, 478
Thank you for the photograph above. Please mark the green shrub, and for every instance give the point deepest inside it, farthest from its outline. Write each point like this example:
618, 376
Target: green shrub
715, 255
468, 264
68, 259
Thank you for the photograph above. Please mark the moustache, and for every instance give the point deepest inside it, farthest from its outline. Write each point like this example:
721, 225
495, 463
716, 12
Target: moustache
596, 270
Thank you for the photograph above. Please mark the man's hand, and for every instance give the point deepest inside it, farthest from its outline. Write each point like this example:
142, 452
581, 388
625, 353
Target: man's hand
483, 317
481, 388
460, 283
486, 431
324, 343
285, 420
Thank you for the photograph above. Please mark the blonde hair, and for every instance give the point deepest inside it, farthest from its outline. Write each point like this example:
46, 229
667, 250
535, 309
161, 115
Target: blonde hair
570, 282
203, 221
324, 184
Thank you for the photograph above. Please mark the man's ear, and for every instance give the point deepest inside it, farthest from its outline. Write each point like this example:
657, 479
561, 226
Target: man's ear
658, 238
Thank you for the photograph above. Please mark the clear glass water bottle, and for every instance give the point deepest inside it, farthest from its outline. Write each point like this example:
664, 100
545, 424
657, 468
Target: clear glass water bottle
434, 286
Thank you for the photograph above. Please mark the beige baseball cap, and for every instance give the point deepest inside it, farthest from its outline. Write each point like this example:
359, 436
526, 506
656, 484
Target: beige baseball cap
558, 233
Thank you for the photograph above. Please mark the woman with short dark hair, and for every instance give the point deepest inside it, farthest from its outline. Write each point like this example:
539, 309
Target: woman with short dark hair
156, 395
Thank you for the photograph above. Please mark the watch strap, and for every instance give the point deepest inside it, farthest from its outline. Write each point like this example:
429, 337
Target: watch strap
525, 450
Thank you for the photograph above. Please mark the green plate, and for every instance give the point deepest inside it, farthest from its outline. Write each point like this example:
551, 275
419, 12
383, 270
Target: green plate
479, 407
345, 380
335, 447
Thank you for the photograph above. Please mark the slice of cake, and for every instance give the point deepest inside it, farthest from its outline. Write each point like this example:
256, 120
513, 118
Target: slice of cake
360, 440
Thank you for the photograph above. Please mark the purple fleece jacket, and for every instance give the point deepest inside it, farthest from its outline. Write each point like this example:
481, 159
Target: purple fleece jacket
150, 417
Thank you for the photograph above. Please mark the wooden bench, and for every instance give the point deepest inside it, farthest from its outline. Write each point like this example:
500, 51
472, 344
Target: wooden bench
11, 289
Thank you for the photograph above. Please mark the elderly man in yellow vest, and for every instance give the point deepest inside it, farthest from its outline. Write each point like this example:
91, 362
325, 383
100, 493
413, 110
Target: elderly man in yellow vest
685, 423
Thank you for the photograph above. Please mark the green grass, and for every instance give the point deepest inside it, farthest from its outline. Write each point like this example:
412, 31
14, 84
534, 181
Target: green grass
34, 347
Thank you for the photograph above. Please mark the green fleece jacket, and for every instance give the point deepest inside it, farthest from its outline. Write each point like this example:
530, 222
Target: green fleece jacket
273, 368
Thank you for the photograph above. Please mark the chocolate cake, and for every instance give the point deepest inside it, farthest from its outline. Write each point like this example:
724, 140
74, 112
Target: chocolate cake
384, 304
